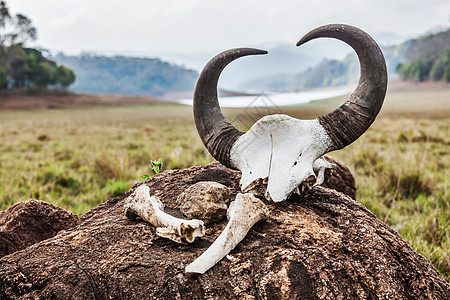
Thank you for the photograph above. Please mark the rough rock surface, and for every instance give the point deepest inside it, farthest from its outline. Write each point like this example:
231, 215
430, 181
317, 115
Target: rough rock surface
31, 221
205, 200
323, 245
339, 178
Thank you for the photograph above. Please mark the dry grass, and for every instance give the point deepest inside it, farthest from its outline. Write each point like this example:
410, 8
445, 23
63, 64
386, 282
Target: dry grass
79, 158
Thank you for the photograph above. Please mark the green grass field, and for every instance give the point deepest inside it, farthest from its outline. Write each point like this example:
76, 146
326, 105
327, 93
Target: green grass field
77, 159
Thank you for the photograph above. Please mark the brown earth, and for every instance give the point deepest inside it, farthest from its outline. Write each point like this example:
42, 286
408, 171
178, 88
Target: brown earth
411, 85
25, 100
322, 245
28, 222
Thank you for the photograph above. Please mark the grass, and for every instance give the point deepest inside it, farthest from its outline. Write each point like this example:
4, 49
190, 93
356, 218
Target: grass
79, 158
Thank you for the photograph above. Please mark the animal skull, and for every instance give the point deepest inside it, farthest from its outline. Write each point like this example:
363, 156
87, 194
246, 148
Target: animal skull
281, 149
279, 152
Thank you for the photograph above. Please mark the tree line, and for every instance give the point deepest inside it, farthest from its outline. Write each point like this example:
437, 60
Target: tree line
422, 69
21, 66
428, 58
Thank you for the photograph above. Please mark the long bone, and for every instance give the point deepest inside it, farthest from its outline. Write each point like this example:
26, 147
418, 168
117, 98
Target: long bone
151, 209
280, 151
242, 214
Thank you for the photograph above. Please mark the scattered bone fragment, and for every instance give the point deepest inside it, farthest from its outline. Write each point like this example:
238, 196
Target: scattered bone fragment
151, 209
319, 167
242, 214
205, 200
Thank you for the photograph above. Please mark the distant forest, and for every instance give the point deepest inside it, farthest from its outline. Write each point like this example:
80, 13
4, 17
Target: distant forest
127, 75
427, 58
26, 67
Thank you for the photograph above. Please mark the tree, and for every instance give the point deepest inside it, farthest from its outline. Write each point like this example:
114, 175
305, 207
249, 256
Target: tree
16, 66
25, 30
26, 67
4, 18
64, 76
437, 71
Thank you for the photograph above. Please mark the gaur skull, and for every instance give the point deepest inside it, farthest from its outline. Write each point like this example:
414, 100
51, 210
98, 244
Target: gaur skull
280, 153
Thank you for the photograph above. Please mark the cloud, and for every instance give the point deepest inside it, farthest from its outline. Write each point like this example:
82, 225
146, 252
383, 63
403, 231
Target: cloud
197, 25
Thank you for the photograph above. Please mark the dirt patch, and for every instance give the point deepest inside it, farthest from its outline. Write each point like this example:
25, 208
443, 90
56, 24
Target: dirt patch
411, 85
25, 100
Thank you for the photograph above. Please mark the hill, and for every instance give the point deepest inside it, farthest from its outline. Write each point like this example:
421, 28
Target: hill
127, 75
327, 73
427, 58
421, 59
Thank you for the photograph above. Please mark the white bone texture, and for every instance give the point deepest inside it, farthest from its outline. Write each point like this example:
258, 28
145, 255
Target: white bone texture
151, 209
320, 165
242, 214
279, 150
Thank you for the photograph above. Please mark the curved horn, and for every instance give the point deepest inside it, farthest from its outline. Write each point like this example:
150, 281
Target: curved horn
217, 134
346, 123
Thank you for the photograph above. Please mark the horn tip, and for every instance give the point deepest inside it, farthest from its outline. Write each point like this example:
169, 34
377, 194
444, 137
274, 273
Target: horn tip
330, 30
261, 52
301, 42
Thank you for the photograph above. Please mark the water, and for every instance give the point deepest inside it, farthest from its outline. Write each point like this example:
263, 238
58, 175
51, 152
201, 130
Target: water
276, 99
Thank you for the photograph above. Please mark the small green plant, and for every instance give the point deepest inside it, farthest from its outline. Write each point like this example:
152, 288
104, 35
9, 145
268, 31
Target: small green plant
155, 167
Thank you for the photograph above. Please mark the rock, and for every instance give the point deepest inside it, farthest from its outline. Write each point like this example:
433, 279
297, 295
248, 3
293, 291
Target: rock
323, 245
205, 200
339, 178
32, 221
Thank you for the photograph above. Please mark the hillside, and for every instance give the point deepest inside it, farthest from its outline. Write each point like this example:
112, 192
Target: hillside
421, 59
122, 75
327, 73
427, 58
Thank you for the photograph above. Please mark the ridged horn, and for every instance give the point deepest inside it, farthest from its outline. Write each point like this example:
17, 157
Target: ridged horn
349, 121
217, 134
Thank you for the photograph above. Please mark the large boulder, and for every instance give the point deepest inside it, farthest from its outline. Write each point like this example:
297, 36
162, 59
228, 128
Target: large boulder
322, 245
31, 221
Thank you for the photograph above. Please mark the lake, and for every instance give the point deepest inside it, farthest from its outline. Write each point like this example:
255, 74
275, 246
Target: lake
277, 99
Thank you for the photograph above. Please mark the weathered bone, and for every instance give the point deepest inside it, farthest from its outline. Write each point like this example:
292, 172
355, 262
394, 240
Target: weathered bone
151, 209
319, 167
281, 149
243, 213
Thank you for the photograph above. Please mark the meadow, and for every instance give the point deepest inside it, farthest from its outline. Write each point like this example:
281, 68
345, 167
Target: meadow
77, 158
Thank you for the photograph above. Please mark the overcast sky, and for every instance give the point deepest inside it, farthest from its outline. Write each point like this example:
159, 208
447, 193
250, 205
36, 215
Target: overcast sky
151, 26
